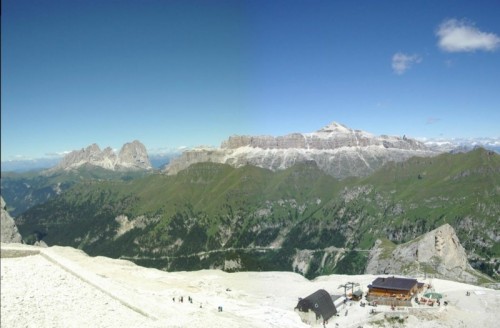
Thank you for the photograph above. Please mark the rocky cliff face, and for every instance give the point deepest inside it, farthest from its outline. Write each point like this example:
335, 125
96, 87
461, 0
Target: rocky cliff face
132, 156
9, 232
437, 252
337, 150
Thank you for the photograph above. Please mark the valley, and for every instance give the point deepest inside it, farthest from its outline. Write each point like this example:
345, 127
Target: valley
298, 219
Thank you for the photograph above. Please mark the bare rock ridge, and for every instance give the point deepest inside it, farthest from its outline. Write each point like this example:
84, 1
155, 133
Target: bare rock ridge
132, 156
336, 149
9, 232
332, 136
437, 252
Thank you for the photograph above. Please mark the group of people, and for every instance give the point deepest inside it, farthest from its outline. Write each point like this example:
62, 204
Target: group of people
181, 299
190, 300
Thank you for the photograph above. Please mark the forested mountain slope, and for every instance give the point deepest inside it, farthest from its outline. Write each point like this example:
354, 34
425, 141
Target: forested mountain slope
215, 216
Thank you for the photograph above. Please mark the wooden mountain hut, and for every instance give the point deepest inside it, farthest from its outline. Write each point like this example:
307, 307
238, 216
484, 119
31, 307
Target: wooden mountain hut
400, 288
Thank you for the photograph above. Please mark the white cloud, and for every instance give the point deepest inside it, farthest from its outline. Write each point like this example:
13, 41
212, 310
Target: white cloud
58, 154
462, 36
402, 62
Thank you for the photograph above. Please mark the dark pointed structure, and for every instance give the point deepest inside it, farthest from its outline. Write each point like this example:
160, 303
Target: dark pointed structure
320, 302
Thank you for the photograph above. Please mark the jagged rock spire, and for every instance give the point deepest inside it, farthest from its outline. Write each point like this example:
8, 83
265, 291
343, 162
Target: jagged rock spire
132, 156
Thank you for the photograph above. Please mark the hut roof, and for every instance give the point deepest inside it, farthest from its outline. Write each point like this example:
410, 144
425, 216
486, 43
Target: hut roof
394, 283
320, 302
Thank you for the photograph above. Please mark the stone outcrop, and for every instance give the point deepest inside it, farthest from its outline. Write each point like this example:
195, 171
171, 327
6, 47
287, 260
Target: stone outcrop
125, 224
336, 149
9, 232
437, 252
132, 156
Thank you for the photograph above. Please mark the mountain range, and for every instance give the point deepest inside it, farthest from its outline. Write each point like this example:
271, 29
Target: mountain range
132, 156
160, 159
24, 190
336, 149
299, 219
314, 203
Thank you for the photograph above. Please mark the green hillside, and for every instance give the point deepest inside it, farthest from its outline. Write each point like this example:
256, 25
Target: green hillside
460, 189
212, 215
22, 191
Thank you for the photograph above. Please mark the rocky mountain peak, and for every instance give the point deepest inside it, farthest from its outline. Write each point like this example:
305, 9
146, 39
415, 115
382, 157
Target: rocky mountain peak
108, 151
337, 149
9, 232
437, 252
93, 149
132, 155
335, 127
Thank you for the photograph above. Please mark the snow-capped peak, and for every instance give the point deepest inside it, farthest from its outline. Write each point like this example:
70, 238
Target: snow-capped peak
335, 127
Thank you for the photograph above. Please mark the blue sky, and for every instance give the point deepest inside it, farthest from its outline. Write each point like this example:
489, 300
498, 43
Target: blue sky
187, 73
